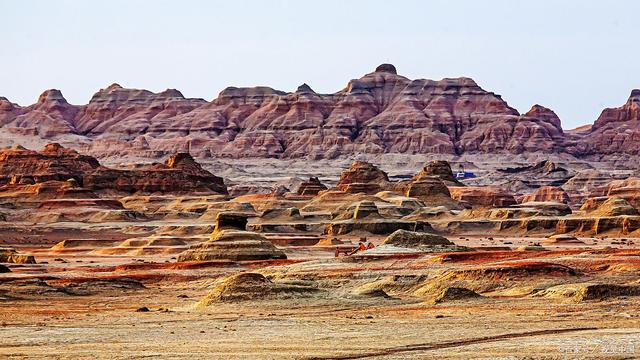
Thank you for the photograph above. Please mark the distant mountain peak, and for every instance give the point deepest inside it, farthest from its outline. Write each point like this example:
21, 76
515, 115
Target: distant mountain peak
389, 68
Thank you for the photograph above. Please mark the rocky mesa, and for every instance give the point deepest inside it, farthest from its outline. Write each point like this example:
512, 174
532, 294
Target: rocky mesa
179, 174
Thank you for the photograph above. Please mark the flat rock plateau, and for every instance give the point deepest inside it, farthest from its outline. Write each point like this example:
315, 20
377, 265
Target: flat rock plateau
393, 219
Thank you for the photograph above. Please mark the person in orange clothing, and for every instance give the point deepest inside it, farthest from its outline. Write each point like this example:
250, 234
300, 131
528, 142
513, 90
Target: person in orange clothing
361, 247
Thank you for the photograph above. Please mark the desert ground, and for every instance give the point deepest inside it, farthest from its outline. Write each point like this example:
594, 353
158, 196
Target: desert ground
543, 266
78, 305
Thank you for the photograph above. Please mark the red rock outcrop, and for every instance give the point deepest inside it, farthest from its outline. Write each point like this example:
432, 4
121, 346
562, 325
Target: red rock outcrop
130, 111
381, 112
362, 177
311, 187
21, 166
536, 131
55, 164
587, 183
627, 189
616, 131
430, 190
546, 194
179, 174
370, 115
440, 169
612, 206
482, 196
50, 116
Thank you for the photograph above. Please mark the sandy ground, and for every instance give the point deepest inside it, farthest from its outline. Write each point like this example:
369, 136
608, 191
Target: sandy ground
104, 323
107, 327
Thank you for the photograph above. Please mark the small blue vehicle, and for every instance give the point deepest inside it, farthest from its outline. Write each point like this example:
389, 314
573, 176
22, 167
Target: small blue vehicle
461, 174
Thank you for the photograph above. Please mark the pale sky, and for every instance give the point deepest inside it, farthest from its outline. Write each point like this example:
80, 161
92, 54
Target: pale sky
575, 57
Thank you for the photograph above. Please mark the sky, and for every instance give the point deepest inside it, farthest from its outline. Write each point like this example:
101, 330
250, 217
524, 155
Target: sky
575, 57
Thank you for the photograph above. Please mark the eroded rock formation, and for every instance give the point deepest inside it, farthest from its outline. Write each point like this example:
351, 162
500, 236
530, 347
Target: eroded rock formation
12, 256
548, 193
21, 166
608, 207
235, 245
363, 177
439, 169
66, 170
381, 112
311, 187
405, 238
364, 217
616, 131
179, 174
482, 196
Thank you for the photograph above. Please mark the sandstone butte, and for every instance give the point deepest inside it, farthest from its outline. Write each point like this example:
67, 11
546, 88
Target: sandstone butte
381, 112
179, 174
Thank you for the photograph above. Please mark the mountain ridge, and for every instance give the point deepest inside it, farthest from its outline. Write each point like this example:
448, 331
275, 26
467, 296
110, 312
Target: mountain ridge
380, 112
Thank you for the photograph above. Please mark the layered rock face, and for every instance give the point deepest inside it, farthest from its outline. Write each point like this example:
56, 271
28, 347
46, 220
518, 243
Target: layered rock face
617, 130
362, 172
49, 117
364, 218
628, 189
430, 190
536, 131
589, 182
130, 111
440, 169
482, 196
548, 193
405, 238
21, 166
381, 112
427, 186
179, 174
233, 245
311, 187
230, 241
610, 207
362, 177
55, 164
